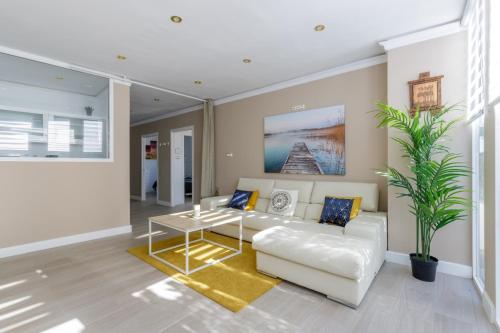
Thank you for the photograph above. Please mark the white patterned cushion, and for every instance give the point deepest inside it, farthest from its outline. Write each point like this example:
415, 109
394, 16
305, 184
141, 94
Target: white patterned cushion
283, 202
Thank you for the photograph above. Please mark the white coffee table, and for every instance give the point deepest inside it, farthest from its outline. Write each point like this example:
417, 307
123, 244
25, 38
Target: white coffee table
186, 223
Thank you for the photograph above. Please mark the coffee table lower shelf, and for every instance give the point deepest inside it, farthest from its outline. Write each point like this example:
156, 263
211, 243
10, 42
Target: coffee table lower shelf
187, 242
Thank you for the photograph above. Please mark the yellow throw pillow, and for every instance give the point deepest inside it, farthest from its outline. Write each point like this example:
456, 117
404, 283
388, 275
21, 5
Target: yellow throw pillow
252, 201
356, 205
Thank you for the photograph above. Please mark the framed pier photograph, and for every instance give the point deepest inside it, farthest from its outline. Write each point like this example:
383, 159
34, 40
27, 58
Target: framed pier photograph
306, 142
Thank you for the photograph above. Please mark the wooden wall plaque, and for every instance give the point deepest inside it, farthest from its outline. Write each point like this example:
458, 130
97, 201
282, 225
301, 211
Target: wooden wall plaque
425, 93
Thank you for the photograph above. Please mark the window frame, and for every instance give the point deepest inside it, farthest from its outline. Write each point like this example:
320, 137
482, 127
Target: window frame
476, 214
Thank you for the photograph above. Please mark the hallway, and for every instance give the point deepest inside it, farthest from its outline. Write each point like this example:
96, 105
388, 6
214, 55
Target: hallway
141, 210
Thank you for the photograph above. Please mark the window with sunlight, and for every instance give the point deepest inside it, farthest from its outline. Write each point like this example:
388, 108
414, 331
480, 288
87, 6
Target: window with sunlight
494, 54
92, 136
51, 112
476, 110
59, 136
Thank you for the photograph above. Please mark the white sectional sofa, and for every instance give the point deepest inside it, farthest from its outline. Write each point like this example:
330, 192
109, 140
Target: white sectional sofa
336, 261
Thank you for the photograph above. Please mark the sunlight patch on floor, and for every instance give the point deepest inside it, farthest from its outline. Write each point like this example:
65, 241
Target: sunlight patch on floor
160, 289
19, 311
11, 284
14, 301
23, 322
71, 326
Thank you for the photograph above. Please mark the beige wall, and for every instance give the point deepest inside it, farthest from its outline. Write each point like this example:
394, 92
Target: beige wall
239, 128
163, 127
45, 200
443, 56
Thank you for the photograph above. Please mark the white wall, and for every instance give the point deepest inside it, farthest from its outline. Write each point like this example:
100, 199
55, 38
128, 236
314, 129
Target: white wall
150, 167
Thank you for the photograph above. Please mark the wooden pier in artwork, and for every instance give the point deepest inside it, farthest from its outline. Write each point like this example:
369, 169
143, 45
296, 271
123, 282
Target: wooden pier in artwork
301, 161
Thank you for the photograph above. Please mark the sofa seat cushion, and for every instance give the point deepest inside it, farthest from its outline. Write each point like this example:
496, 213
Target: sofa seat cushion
338, 254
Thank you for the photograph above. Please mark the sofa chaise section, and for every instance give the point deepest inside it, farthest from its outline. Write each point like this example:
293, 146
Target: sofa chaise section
340, 262
337, 266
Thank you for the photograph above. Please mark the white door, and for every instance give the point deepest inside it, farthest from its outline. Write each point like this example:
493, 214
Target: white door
177, 165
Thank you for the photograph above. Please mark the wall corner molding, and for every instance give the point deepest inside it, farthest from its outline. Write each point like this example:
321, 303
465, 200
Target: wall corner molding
422, 35
445, 267
62, 241
123, 82
353, 66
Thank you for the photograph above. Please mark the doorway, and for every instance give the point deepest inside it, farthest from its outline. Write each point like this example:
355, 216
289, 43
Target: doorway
149, 178
181, 165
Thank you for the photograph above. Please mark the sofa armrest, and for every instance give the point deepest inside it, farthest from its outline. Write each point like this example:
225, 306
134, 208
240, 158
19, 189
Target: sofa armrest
214, 202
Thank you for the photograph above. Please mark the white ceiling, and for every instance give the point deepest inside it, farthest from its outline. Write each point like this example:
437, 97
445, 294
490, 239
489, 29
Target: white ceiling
144, 106
214, 37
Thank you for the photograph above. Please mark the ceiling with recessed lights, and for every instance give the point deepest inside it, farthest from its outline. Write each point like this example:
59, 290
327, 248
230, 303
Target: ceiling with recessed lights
208, 40
147, 103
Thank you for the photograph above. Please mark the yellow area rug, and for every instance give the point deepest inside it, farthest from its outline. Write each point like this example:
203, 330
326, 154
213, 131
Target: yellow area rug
233, 283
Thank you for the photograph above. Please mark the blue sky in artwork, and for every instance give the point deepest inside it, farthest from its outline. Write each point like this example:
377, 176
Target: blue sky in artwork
316, 118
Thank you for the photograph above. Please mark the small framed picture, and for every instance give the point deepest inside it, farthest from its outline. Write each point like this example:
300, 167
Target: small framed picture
425, 93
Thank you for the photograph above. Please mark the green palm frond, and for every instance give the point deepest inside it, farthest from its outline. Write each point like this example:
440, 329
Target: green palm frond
434, 178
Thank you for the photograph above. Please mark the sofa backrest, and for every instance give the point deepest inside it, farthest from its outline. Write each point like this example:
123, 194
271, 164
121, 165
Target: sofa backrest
311, 193
264, 186
367, 191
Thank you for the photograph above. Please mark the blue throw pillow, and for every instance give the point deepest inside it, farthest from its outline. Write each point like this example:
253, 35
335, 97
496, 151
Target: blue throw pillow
336, 211
240, 199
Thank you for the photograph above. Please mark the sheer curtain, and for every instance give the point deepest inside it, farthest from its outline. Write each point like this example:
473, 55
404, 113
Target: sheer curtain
208, 152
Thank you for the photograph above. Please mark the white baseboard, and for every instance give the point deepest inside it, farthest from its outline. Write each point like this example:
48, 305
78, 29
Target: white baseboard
163, 203
443, 266
136, 197
61, 241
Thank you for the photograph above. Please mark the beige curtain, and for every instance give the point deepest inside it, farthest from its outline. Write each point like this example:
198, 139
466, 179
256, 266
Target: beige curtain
208, 152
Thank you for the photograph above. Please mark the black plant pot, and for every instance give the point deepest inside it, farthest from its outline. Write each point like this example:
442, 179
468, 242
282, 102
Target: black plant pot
423, 270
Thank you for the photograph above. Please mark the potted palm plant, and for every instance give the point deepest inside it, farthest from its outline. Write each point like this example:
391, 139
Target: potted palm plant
433, 180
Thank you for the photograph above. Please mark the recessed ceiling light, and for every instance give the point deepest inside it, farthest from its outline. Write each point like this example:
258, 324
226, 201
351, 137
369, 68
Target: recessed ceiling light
156, 99
320, 27
197, 82
176, 19
121, 57
59, 77
247, 61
